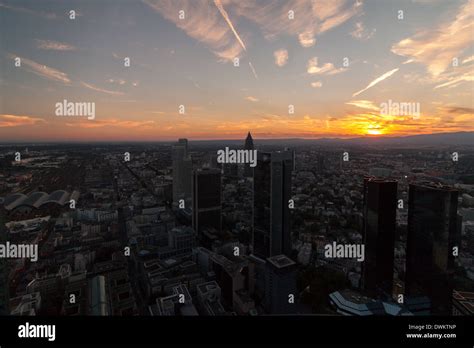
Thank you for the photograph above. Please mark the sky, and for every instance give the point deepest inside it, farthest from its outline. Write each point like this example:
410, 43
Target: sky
335, 64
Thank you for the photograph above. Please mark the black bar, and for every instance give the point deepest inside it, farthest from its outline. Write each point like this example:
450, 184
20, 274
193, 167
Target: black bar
286, 330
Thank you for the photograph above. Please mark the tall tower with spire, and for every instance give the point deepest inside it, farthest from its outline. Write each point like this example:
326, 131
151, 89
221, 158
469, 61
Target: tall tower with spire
248, 171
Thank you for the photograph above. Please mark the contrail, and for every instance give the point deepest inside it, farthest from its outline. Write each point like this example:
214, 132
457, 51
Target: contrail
227, 19
253, 70
224, 14
377, 80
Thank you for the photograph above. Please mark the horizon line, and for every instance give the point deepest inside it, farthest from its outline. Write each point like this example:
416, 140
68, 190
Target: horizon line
374, 137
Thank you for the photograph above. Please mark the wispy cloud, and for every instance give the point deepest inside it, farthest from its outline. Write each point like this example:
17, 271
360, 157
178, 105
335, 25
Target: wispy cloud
376, 81
54, 45
46, 15
437, 47
311, 18
455, 81
364, 104
252, 99
281, 57
361, 33
120, 82
468, 60
204, 23
111, 123
43, 70
316, 84
15, 121
326, 69
99, 89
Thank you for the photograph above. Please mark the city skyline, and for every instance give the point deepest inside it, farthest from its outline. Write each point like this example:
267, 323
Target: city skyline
423, 56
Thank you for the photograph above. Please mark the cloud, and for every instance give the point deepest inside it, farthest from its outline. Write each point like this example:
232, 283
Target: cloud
120, 82
281, 57
215, 23
468, 60
437, 47
46, 15
361, 33
311, 18
307, 39
98, 89
111, 123
252, 99
457, 110
15, 121
54, 45
453, 82
43, 70
377, 80
316, 84
364, 104
341, 16
204, 23
326, 69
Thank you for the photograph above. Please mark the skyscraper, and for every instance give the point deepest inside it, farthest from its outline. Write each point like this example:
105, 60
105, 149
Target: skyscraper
380, 204
248, 171
432, 232
207, 204
280, 285
182, 172
271, 214
3, 268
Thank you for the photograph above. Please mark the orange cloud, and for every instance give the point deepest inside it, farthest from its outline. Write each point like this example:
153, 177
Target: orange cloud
437, 47
281, 57
54, 45
98, 89
16, 121
43, 70
326, 69
111, 123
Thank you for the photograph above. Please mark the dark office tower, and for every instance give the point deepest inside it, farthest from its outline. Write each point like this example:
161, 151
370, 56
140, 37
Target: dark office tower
271, 194
380, 204
321, 164
432, 231
207, 203
280, 283
182, 171
3, 268
248, 171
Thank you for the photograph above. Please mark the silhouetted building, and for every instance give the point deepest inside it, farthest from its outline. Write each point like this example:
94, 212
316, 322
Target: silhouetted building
4, 299
280, 285
321, 163
248, 171
432, 231
182, 171
231, 169
380, 204
271, 214
207, 205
